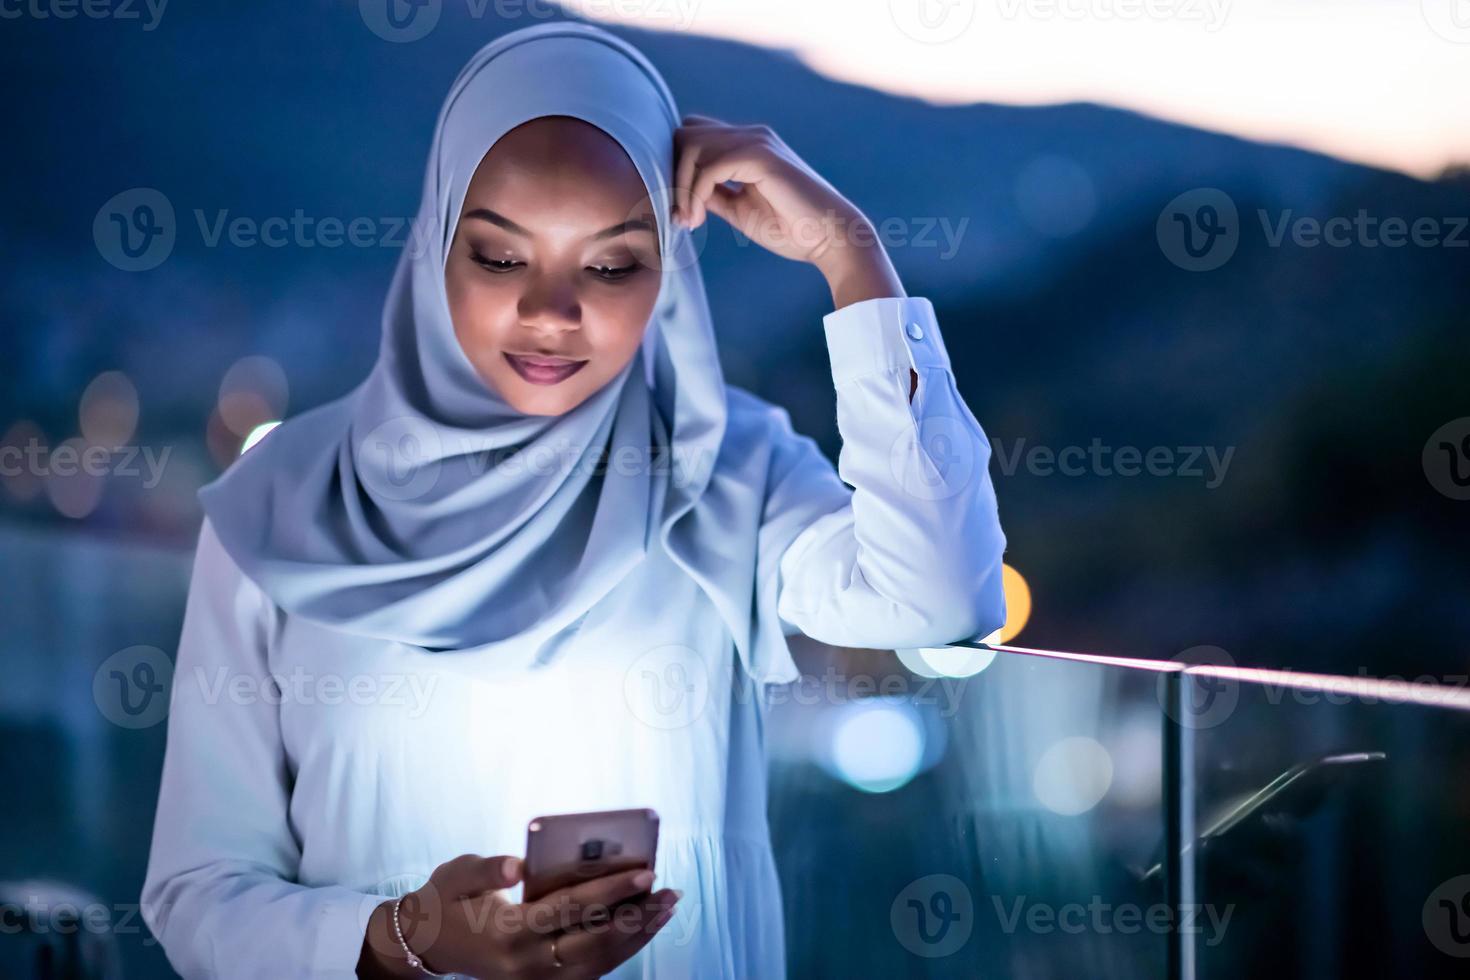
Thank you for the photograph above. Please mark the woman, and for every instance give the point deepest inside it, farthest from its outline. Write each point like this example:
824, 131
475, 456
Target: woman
544, 560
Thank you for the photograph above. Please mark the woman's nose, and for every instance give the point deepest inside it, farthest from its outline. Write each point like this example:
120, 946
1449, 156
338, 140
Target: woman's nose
550, 303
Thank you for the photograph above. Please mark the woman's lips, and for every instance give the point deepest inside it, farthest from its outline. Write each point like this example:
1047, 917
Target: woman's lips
543, 371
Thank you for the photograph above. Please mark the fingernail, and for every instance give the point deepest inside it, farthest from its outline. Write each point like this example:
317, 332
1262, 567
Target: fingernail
508, 867
678, 894
643, 879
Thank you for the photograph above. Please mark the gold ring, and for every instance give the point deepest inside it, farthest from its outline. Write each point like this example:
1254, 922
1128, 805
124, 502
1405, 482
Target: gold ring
555, 959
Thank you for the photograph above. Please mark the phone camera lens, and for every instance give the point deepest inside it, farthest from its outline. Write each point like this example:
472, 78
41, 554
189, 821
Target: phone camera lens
592, 850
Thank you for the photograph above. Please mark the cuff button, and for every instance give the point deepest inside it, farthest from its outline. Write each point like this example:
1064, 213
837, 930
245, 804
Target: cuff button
916, 331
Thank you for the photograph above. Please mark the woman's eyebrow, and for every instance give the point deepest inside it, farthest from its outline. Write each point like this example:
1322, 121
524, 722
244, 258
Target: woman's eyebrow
500, 220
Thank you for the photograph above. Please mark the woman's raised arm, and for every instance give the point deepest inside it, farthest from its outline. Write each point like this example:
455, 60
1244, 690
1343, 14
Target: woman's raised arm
914, 557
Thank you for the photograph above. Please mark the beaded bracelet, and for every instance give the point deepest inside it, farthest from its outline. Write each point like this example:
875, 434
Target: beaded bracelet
413, 959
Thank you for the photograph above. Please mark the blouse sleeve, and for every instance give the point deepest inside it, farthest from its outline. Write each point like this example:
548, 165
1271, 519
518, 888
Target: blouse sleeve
219, 892
913, 557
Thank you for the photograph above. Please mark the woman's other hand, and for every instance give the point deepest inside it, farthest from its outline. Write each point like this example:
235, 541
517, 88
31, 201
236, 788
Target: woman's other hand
782, 204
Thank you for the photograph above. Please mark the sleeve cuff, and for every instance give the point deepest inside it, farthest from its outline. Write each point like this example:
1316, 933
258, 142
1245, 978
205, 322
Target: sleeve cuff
883, 335
342, 921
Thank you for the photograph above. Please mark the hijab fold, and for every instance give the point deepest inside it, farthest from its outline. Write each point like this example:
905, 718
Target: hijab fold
421, 508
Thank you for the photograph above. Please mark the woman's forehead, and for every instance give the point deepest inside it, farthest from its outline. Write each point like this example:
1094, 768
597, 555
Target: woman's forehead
559, 170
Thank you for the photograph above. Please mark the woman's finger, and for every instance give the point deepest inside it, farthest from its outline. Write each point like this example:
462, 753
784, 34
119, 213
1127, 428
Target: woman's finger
471, 874
692, 144
603, 946
585, 902
741, 163
695, 119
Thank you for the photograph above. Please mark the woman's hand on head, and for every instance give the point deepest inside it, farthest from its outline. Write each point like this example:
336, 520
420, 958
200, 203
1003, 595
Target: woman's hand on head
782, 204
461, 922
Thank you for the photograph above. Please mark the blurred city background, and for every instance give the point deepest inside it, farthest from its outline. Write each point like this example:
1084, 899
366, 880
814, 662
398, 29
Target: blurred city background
1203, 269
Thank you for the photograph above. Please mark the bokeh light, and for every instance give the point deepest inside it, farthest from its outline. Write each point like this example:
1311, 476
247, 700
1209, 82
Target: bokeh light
878, 744
72, 485
954, 661
1056, 195
1018, 606
21, 447
913, 659
253, 391
1073, 776
258, 433
1138, 756
108, 413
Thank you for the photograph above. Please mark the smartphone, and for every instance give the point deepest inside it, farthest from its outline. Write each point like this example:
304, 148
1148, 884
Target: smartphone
570, 848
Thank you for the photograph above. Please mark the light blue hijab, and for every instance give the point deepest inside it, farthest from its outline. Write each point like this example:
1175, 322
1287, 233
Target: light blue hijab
422, 508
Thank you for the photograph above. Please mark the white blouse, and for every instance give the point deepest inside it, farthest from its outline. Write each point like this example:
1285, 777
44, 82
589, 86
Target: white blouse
310, 774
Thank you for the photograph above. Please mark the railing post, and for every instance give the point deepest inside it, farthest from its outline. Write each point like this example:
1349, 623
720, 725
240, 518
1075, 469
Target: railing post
1179, 829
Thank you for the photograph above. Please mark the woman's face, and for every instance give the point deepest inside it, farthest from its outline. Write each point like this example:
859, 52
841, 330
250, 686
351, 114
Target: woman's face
553, 271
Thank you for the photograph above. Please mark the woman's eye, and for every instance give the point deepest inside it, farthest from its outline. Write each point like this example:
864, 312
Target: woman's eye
613, 272
494, 265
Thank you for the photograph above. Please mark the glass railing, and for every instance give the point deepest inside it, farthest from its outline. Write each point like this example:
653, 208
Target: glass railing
1328, 818
971, 811
1083, 815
